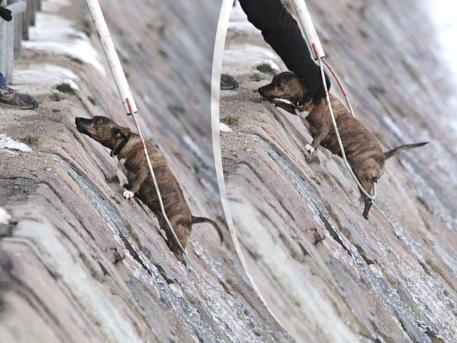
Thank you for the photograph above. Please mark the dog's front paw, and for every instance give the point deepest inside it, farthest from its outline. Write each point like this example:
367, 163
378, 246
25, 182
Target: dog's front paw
128, 194
309, 154
309, 148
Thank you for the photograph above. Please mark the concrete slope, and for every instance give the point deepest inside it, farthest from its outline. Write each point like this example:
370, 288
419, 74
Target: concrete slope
78, 262
327, 273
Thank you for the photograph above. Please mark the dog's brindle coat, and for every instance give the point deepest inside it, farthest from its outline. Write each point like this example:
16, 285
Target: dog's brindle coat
126, 145
363, 151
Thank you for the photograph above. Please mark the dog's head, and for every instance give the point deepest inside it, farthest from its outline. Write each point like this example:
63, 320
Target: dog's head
103, 130
285, 86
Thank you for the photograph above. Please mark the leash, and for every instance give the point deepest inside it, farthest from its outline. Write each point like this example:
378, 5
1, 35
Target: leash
340, 86
317, 50
125, 94
340, 142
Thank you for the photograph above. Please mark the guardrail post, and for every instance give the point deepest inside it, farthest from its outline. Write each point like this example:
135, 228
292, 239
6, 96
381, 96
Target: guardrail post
26, 21
34, 7
18, 24
9, 51
2, 42
10, 37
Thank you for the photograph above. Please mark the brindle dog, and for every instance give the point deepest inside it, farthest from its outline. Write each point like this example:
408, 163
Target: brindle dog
363, 151
127, 146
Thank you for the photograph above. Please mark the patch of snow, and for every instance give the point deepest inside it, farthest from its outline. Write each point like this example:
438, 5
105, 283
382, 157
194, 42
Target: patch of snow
4, 217
239, 21
72, 84
252, 56
250, 53
224, 128
243, 26
10, 144
46, 75
55, 34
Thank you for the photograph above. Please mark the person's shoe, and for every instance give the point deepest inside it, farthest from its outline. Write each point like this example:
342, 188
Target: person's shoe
11, 98
228, 82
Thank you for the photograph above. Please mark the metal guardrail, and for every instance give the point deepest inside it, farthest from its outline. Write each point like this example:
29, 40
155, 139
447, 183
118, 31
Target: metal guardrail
12, 33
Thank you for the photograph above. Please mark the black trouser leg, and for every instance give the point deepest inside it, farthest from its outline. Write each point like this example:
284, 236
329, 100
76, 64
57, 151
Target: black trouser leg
282, 32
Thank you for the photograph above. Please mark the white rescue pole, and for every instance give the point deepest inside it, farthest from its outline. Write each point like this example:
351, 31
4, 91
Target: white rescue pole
125, 93
306, 22
309, 29
111, 55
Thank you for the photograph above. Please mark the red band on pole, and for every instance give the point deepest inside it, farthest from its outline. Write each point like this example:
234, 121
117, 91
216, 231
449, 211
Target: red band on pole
316, 55
129, 105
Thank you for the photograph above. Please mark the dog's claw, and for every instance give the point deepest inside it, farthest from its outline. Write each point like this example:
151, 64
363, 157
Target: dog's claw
128, 194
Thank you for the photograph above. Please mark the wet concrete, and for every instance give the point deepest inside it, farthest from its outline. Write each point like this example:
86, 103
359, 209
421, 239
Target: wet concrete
393, 278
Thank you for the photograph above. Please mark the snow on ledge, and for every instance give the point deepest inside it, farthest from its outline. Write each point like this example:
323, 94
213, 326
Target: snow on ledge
56, 34
4, 217
224, 128
46, 75
10, 144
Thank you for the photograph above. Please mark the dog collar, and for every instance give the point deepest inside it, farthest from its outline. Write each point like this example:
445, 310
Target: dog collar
285, 101
297, 105
121, 146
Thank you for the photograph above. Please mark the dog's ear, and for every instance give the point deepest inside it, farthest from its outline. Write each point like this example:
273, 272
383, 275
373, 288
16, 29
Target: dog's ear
122, 131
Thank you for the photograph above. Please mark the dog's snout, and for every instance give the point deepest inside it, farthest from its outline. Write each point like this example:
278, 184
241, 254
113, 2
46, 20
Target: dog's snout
82, 121
261, 91
82, 124
267, 91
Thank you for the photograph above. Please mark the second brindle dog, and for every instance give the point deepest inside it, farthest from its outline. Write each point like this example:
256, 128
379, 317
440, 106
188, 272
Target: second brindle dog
363, 151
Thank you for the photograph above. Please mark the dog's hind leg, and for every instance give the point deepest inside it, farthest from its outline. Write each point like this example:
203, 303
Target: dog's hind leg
183, 233
368, 204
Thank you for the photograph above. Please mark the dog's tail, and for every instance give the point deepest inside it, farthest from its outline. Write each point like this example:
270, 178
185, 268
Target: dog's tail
395, 151
198, 220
